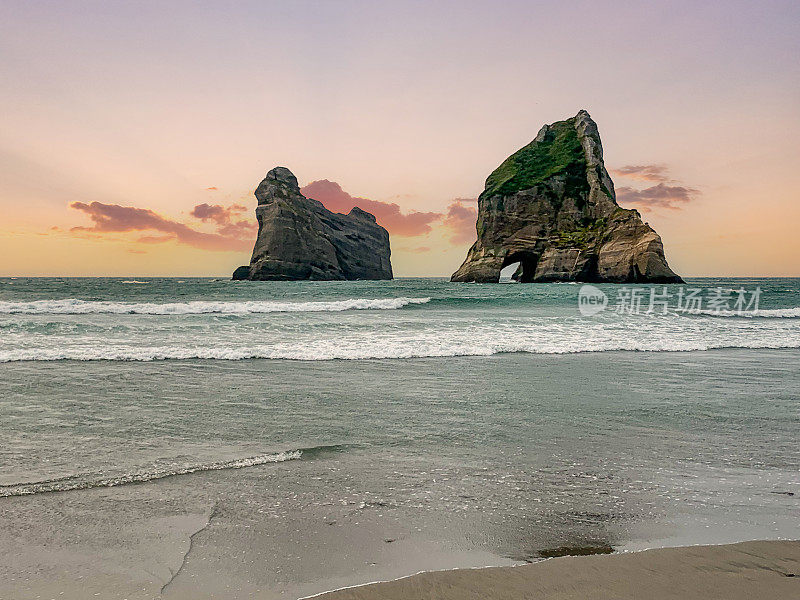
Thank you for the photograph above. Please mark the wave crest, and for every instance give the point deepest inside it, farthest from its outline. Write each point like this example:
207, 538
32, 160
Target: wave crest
78, 482
333, 350
72, 306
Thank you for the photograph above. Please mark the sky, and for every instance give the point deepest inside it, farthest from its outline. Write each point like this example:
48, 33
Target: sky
134, 133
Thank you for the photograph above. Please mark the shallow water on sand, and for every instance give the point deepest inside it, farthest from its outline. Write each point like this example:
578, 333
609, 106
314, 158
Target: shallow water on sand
458, 461
280, 478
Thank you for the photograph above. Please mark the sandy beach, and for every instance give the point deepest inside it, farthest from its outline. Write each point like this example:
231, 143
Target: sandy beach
390, 481
761, 569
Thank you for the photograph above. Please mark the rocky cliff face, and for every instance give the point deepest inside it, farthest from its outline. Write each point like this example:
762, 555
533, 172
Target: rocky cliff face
551, 208
298, 238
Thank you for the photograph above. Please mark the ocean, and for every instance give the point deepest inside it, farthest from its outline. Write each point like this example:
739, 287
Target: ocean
208, 438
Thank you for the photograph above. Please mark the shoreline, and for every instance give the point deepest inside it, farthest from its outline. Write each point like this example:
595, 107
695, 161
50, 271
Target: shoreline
741, 570
432, 478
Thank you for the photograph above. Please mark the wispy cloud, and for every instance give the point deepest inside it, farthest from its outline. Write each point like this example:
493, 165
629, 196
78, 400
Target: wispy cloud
643, 172
667, 193
657, 196
217, 212
113, 218
233, 230
226, 218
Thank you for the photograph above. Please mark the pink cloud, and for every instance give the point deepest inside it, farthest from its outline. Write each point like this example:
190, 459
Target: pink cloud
113, 218
223, 217
460, 219
234, 231
216, 212
388, 214
643, 172
667, 193
657, 196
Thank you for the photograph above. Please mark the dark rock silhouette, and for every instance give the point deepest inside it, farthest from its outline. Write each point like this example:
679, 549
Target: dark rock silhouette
298, 238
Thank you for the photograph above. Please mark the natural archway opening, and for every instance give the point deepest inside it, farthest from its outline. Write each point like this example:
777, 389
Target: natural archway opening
522, 266
507, 273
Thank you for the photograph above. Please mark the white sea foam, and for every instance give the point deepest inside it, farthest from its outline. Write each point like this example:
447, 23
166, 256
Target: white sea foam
72, 306
135, 281
391, 349
64, 484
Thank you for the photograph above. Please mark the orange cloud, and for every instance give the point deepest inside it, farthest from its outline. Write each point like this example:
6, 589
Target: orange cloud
155, 239
113, 218
388, 214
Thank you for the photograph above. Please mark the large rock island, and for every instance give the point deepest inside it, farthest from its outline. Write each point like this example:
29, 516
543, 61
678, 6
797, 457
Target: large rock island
551, 208
298, 238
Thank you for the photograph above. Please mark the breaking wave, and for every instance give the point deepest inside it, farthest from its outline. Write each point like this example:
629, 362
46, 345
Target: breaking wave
82, 482
397, 349
71, 306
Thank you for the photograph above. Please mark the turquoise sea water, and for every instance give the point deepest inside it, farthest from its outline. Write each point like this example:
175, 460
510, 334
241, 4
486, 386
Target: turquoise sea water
495, 417
147, 319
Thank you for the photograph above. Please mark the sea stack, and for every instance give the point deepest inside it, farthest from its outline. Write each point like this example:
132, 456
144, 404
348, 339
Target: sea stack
551, 208
298, 238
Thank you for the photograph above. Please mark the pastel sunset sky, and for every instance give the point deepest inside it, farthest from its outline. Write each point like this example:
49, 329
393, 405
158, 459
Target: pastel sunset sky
134, 133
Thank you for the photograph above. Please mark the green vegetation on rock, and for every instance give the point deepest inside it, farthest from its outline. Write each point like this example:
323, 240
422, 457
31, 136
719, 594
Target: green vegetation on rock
559, 154
580, 237
551, 207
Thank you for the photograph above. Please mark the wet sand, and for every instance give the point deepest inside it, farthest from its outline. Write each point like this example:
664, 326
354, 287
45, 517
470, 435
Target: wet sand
418, 477
762, 569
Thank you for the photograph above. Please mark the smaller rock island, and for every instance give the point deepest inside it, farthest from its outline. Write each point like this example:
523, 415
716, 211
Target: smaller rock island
300, 239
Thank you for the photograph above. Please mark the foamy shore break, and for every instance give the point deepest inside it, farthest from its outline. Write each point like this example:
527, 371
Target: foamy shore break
762, 569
